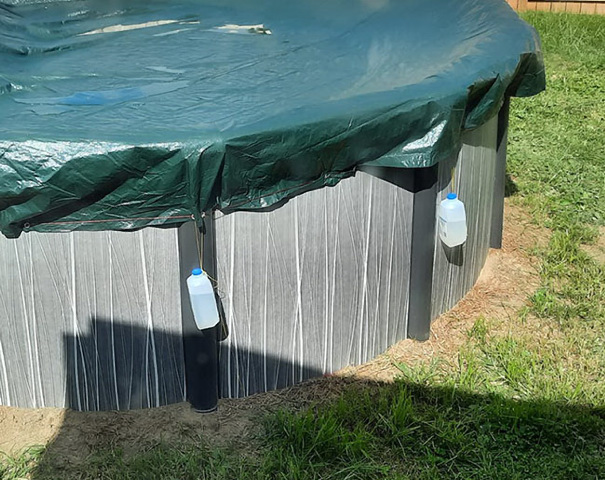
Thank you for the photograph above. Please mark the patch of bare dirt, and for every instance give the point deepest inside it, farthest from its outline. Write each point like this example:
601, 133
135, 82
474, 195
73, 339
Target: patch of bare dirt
20, 428
71, 436
597, 250
502, 289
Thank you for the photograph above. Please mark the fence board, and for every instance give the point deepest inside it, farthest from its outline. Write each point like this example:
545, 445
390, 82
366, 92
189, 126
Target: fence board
558, 6
588, 7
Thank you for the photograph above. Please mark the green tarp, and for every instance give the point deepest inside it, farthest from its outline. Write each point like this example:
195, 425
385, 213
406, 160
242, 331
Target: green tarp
122, 114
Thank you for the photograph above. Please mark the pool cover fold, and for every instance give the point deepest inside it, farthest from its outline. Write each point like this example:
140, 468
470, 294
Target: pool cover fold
125, 114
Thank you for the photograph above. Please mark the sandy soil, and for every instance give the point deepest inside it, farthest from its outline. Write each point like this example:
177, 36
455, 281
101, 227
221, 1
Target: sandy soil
505, 282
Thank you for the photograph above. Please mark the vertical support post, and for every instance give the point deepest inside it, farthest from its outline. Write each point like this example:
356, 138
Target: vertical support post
200, 347
495, 240
422, 252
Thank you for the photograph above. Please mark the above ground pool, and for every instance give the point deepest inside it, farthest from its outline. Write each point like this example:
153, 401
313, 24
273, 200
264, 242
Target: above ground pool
296, 151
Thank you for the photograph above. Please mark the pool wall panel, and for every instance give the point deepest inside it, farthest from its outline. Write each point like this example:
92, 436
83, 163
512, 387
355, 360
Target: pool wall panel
302, 299
456, 270
90, 321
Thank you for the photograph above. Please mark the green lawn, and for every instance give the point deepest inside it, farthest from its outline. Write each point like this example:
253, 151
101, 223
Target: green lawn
512, 407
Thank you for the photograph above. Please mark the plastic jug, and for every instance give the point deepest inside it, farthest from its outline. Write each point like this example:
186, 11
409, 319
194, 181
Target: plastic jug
203, 301
452, 221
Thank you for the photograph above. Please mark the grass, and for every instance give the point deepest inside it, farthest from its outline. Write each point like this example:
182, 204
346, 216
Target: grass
525, 401
412, 430
557, 138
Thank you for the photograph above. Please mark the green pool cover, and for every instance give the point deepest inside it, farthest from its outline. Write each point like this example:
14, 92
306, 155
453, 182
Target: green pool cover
122, 114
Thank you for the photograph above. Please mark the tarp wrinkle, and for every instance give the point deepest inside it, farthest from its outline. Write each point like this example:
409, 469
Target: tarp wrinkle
126, 114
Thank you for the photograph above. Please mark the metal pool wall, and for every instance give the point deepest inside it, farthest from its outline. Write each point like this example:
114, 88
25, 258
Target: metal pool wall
320, 283
309, 289
91, 320
456, 270
96, 320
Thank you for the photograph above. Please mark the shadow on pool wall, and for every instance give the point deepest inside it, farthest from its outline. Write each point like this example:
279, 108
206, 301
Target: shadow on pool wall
120, 366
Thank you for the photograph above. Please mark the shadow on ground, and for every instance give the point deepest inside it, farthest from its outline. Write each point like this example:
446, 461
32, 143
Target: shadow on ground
336, 427
510, 187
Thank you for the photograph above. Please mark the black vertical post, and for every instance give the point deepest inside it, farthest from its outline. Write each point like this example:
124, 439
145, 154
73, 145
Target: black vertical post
422, 252
200, 346
495, 240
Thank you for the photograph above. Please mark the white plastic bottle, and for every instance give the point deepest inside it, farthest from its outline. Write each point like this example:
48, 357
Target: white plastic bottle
203, 301
452, 221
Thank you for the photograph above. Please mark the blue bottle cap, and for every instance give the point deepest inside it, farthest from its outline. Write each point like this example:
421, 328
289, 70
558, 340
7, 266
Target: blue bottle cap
451, 196
196, 271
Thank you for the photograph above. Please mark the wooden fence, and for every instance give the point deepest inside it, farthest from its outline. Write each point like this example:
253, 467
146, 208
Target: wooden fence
595, 6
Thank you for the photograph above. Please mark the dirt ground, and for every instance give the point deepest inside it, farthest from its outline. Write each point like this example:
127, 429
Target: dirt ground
597, 250
502, 289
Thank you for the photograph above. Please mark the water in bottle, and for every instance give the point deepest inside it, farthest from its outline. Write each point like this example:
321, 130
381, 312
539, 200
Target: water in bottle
203, 301
452, 221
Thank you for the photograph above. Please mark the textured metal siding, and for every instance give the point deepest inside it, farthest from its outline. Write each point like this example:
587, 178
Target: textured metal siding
318, 284
90, 320
456, 270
